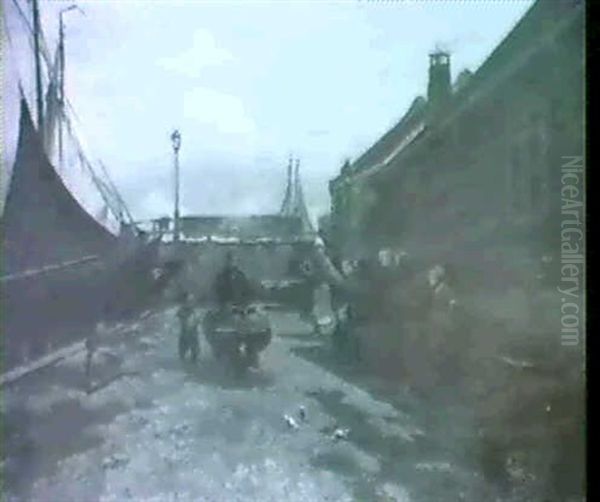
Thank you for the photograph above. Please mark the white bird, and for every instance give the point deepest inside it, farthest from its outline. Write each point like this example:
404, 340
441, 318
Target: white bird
341, 433
292, 424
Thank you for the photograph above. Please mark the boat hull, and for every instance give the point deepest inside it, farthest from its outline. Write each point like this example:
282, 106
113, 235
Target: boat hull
47, 310
59, 265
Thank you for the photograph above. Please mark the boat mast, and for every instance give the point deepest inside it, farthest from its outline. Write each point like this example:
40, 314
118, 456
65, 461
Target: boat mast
38, 68
61, 91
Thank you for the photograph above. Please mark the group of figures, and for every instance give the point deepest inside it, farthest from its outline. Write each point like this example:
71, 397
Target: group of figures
386, 308
383, 290
232, 289
233, 292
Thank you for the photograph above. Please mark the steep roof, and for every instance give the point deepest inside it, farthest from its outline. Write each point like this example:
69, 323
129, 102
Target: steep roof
529, 33
386, 145
541, 19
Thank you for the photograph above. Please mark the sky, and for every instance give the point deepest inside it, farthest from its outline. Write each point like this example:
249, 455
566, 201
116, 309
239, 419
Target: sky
247, 83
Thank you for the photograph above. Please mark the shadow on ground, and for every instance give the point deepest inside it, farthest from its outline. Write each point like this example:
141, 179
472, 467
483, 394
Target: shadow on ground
33, 445
396, 455
36, 435
414, 464
210, 371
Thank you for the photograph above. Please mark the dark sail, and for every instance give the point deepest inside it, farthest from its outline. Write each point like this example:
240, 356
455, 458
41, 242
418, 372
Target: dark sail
43, 224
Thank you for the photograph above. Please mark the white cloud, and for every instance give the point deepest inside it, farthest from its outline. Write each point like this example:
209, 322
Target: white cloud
224, 112
202, 52
155, 203
245, 84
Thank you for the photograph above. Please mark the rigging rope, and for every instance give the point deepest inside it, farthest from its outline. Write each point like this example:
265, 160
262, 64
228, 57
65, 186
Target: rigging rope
20, 79
43, 44
107, 189
89, 168
11, 54
109, 185
116, 192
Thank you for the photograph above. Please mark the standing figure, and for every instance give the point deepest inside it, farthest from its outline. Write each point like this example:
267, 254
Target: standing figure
304, 265
361, 307
188, 328
311, 282
232, 287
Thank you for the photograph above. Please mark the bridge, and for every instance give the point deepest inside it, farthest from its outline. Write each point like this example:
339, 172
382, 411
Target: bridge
291, 224
266, 246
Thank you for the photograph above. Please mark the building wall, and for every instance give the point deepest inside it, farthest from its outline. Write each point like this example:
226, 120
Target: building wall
487, 169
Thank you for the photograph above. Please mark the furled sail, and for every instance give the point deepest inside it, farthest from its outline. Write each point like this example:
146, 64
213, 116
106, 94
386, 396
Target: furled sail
63, 145
43, 223
57, 259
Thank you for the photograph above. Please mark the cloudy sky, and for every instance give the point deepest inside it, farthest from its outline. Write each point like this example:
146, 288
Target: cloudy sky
247, 83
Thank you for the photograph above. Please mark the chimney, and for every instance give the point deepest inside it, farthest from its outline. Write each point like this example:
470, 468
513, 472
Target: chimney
439, 89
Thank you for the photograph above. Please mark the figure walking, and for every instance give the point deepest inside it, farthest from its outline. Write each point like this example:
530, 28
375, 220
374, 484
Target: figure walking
188, 329
231, 285
91, 347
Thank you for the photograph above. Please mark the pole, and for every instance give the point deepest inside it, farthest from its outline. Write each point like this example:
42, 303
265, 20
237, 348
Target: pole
176, 220
176, 140
61, 97
38, 69
61, 55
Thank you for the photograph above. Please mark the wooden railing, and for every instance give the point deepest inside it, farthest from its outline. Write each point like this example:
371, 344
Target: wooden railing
49, 268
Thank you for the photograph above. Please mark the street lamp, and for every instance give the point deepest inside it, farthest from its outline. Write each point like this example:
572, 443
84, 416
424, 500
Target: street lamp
176, 141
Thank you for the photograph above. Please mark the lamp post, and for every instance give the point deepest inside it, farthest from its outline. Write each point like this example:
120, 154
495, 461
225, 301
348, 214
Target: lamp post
176, 141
